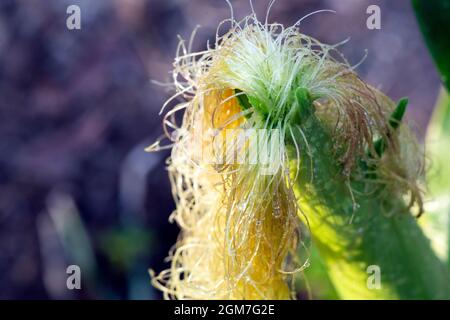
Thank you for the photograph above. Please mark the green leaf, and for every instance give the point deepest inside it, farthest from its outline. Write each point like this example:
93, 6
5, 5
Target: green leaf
242, 99
398, 113
434, 20
247, 102
394, 121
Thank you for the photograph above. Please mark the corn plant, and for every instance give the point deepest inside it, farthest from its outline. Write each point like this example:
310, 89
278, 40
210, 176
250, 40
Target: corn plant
281, 140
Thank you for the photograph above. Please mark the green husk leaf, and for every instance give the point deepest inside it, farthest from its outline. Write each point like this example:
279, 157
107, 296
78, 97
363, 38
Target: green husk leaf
434, 21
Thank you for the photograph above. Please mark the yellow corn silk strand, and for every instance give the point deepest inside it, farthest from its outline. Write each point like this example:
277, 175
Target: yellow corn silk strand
239, 228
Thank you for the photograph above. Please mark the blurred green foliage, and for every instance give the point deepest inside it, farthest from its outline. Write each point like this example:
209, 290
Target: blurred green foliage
434, 21
124, 246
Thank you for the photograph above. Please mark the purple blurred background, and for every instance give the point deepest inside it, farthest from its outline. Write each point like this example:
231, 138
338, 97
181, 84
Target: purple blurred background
77, 109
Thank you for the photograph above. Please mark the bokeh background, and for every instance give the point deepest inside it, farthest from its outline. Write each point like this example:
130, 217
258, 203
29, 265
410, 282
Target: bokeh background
77, 109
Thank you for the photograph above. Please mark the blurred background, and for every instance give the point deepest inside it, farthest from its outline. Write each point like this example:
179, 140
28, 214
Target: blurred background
77, 109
